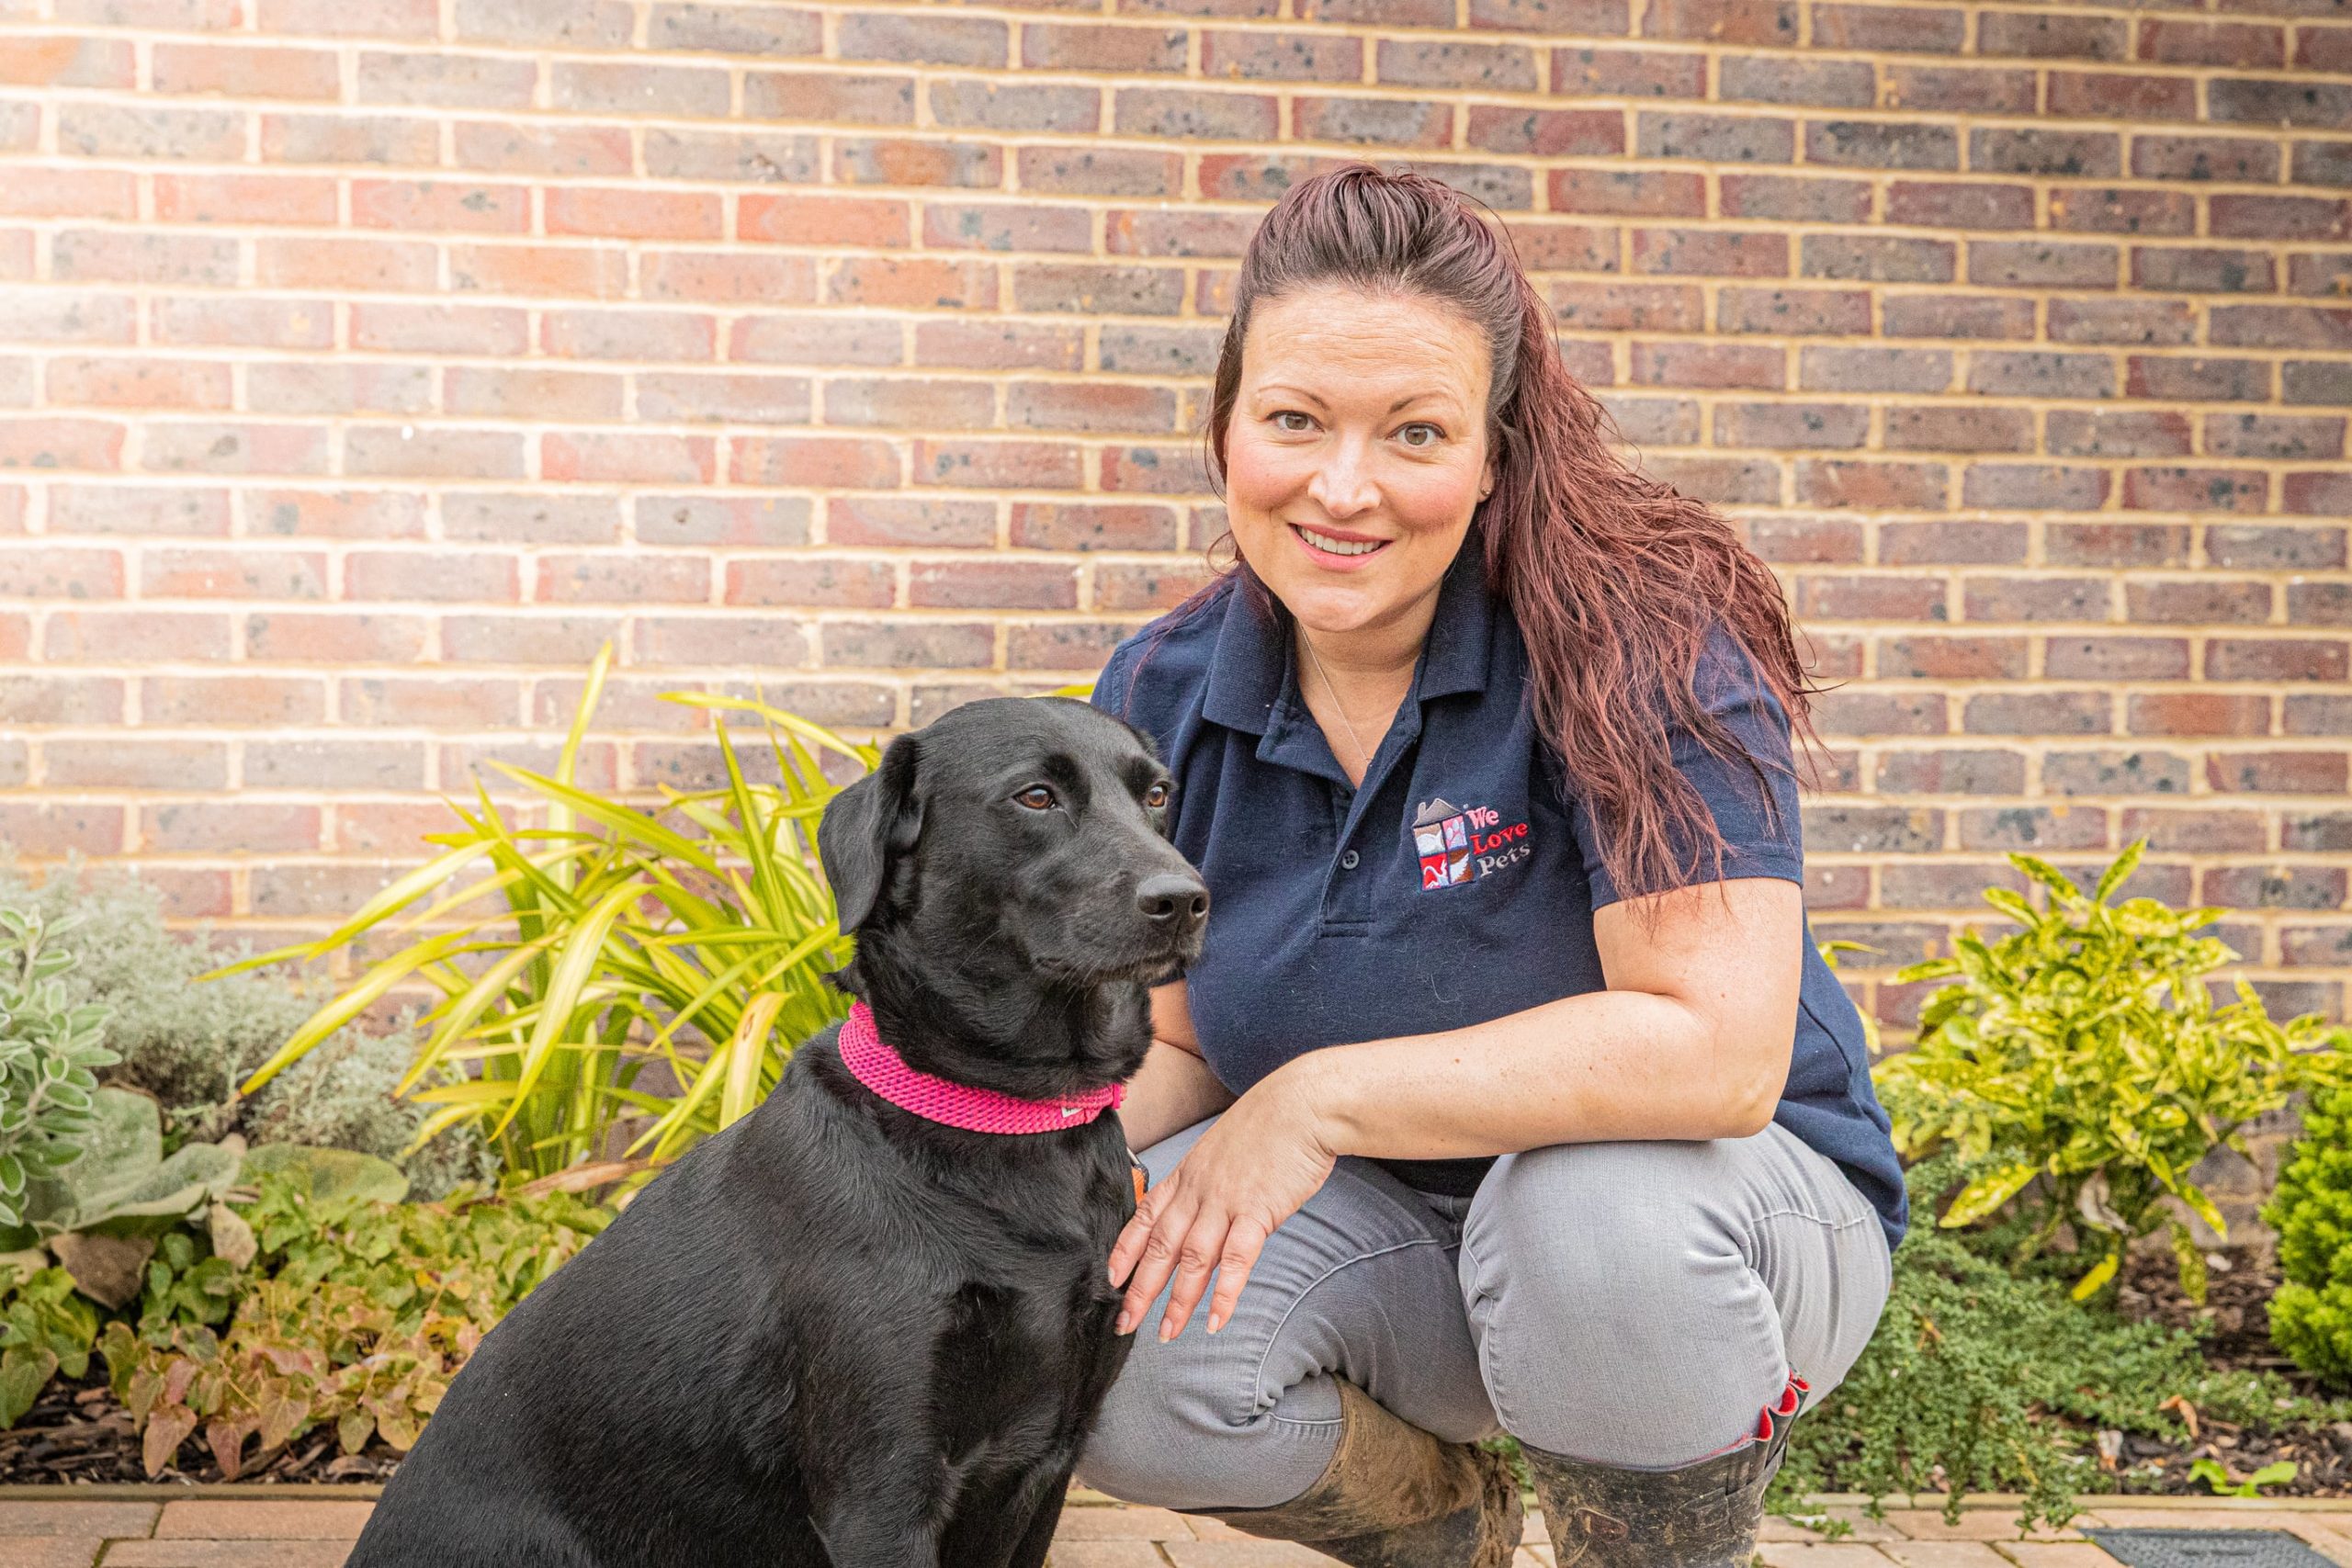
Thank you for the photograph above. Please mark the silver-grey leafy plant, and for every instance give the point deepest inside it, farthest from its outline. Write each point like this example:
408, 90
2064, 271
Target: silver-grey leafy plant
49, 1052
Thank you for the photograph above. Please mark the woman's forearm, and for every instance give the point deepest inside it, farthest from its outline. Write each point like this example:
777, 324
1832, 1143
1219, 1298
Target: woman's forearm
1601, 1066
1174, 1090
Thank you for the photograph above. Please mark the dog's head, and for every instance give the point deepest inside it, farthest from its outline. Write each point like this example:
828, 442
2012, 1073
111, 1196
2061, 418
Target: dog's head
1017, 833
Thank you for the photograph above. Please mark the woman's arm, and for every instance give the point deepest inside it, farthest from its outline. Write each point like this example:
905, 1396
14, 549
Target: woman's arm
1174, 1088
1692, 1041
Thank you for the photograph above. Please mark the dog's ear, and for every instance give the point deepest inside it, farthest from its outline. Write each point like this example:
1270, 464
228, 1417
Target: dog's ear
865, 827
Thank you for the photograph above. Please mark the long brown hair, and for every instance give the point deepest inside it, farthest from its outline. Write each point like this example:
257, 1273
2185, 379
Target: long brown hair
1615, 581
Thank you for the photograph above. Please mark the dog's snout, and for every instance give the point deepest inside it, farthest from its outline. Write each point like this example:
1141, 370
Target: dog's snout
1172, 901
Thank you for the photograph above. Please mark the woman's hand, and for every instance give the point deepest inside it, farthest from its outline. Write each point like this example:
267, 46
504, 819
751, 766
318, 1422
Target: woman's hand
1264, 1157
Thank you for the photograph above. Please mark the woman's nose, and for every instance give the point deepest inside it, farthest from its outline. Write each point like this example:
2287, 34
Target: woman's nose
1342, 485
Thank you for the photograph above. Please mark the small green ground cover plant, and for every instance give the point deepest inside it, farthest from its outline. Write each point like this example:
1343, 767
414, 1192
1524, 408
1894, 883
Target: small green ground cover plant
2311, 1315
1980, 1379
2085, 1050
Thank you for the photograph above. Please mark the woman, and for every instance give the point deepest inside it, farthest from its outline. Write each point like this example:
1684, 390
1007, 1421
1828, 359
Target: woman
1509, 1083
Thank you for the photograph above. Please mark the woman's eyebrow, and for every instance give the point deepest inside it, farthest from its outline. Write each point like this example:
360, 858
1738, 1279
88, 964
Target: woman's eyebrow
1406, 401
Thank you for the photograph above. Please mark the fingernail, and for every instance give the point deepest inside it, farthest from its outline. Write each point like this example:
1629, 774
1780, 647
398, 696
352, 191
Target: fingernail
1216, 1324
1120, 1326
1167, 1332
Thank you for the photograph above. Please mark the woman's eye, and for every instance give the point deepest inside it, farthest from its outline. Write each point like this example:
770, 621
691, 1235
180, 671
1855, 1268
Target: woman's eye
1431, 431
1155, 796
1304, 425
1036, 797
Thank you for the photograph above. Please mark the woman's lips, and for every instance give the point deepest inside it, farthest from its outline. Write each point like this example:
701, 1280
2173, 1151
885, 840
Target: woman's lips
1336, 560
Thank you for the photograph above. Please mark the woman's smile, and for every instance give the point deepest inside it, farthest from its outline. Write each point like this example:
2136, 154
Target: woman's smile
1336, 550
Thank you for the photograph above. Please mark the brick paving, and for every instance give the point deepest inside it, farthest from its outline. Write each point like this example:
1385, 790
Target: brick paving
130, 1527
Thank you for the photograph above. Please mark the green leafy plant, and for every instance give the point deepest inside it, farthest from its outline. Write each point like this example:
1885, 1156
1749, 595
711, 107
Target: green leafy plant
2084, 1051
2311, 1315
697, 935
49, 1056
45, 1328
2215, 1474
353, 1316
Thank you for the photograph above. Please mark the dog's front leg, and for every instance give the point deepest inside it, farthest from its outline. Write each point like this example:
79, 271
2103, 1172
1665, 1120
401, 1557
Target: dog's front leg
888, 1518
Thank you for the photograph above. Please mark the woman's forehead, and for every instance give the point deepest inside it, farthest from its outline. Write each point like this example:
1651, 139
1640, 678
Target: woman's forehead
1335, 341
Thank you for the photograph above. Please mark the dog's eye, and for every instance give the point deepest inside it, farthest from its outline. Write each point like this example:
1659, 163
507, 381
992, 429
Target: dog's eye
1036, 797
1155, 796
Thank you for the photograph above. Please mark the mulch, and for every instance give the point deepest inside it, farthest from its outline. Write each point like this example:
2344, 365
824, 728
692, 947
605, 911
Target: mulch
78, 1434
2235, 1319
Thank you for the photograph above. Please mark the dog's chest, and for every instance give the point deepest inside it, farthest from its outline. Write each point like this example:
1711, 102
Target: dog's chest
1023, 1357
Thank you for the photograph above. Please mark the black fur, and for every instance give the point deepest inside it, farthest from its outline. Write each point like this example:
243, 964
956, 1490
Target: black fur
837, 1334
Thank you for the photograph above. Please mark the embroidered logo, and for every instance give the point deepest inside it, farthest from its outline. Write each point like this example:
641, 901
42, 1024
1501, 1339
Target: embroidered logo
1458, 844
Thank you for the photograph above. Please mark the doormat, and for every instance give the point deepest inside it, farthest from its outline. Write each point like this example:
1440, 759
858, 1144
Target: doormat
2207, 1549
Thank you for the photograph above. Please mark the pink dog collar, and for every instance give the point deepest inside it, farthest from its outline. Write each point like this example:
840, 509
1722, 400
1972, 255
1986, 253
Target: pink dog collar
934, 1099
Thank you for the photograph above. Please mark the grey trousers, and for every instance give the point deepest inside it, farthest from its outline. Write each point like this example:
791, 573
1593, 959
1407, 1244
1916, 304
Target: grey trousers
1631, 1303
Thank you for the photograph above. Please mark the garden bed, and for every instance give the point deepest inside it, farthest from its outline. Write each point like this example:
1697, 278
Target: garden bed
2235, 1319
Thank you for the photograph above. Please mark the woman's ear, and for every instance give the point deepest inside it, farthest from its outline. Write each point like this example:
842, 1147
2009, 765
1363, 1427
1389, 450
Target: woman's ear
865, 828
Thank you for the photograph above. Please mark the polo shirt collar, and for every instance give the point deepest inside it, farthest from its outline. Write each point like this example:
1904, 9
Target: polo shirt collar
1251, 663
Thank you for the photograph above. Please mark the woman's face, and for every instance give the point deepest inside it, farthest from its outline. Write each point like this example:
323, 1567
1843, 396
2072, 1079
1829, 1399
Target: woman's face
1356, 453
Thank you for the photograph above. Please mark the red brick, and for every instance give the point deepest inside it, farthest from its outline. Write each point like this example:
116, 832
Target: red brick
65, 60
816, 462
1947, 89
1299, 56
1081, 45
568, 271
2182, 42
867, 584
2121, 95
1647, 194
439, 206
625, 214
244, 71
259, 199
348, 138
1583, 72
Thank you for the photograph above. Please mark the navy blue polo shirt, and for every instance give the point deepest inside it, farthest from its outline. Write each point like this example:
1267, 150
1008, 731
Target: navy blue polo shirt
1458, 882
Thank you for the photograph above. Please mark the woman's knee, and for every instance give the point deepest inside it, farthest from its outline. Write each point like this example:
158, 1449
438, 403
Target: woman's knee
1172, 1434
1617, 1317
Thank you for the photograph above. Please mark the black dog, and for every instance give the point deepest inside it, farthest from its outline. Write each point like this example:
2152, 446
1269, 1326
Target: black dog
839, 1334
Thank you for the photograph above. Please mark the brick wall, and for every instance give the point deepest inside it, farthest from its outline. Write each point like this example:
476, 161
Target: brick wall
368, 362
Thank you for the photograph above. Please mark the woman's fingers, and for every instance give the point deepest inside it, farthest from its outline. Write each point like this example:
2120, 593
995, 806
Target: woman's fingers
1129, 1245
1158, 1254
1243, 1243
1196, 1258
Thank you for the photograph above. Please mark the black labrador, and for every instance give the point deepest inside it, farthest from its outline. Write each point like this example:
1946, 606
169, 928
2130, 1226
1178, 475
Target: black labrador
839, 1334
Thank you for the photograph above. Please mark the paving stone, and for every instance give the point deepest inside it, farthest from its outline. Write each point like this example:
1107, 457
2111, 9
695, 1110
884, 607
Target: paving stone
1121, 1524
2055, 1554
1976, 1524
1858, 1525
241, 1518
242, 1552
1104, 1554
1242, 1552
1820, 1554
49, 1551
112, 1520
1952, 1554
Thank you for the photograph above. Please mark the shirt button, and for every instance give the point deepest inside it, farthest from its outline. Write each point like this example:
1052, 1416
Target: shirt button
1348, 861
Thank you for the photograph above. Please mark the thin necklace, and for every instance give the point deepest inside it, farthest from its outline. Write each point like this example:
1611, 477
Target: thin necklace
1333, 692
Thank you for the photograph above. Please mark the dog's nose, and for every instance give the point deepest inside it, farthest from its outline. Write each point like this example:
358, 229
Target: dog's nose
1168, 899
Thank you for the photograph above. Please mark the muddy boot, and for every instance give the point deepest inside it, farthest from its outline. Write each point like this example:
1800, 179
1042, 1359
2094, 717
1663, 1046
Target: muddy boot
1393, 1496
1701, 1516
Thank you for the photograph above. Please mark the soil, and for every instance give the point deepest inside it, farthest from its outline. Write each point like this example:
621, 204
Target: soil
77, 1433
2236, 1318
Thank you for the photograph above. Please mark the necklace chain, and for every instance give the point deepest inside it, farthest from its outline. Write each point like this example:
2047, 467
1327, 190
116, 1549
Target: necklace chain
1341, 708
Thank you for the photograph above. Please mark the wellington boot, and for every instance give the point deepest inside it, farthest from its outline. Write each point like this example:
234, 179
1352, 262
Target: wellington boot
1394, 1497
1701, 1516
